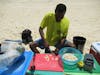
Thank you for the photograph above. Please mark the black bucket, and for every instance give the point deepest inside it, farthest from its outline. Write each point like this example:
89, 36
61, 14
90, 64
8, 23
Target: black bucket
79, 42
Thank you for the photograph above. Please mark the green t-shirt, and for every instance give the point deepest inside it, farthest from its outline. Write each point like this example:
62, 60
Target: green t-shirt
55, 30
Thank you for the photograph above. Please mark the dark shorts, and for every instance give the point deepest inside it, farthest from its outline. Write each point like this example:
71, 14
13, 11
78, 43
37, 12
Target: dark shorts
40, 43
57, 45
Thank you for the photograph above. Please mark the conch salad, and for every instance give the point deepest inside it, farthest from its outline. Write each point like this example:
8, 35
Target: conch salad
69, 57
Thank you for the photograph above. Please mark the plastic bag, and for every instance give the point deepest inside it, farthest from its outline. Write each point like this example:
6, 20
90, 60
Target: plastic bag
8, 57
11, 50
9, 45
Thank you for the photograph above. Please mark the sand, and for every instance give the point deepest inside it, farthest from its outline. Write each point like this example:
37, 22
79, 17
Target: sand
17, 15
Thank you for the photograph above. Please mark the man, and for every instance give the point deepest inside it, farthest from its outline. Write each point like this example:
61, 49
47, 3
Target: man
57, 30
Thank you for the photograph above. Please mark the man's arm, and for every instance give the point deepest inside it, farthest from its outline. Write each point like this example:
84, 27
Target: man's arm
42, 36
62, 40
68, 42
41, 33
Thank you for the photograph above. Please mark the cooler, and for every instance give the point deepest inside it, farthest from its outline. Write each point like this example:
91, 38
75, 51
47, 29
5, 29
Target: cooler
95, 50
50, 62
45, 64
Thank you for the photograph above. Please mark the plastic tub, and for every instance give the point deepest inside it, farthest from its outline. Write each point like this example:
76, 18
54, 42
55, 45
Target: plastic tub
20, 66
68, 63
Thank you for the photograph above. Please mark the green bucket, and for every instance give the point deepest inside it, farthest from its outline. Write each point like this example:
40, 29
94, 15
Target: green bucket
69, 67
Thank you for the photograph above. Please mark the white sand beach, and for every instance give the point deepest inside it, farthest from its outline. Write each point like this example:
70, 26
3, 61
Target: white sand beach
17, 15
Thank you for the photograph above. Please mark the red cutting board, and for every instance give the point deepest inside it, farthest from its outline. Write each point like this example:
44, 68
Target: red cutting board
48, 62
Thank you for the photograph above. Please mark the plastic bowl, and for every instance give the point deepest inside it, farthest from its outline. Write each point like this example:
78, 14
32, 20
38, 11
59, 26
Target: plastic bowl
73, 51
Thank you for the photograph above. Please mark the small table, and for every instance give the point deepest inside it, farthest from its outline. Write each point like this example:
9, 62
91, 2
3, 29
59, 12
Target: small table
45, 64
75, 71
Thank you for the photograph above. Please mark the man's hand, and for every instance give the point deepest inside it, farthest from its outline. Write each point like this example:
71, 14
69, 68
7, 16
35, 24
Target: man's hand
46, 45
56, 51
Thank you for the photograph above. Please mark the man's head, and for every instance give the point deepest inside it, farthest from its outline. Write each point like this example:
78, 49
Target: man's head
60, 12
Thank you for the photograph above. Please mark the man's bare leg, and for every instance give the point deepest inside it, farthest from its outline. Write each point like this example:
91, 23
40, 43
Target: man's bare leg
33, 47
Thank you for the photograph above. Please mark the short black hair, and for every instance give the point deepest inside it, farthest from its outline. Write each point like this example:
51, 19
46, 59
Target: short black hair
60, 8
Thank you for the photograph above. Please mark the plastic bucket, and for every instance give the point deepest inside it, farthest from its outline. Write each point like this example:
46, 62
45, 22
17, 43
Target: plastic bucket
69, 67
79, 42
67, 63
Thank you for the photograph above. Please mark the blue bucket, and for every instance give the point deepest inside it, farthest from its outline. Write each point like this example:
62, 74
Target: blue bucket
70, 64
